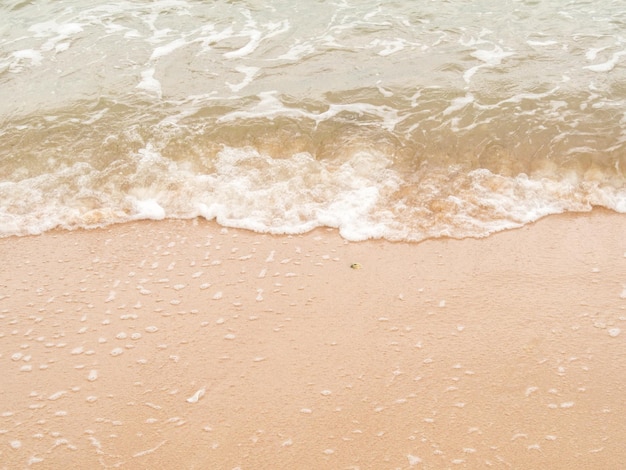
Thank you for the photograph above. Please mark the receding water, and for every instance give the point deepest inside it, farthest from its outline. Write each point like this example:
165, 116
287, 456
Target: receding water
399, 119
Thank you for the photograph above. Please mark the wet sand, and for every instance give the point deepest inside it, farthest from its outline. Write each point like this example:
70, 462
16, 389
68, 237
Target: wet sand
180, 344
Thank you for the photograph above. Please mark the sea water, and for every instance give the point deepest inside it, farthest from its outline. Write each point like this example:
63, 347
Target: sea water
400, 119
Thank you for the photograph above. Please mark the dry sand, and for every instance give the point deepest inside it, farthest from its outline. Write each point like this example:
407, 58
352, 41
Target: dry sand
179, 345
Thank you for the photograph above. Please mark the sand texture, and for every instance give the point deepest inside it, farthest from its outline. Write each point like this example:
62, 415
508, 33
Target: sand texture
183, 345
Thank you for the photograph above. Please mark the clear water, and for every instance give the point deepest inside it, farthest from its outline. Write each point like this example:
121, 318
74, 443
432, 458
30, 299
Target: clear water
398, 119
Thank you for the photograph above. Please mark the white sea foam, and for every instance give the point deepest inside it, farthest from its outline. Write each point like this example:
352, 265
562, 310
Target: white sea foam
149, 209
458, 103
167, 49
270, 106
608, 65
547, 42
297, 52
248, 72
352, 196
389, 46
149, 83
255, 37
59, 32
33, 56
491, 58
592, 53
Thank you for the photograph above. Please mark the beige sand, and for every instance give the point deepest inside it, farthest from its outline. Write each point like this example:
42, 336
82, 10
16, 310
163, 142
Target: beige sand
178, 344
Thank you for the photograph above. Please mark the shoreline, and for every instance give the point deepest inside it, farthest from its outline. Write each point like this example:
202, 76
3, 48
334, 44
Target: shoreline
183, 344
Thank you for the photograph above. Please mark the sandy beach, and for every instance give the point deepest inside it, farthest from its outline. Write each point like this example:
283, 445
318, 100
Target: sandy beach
181, 344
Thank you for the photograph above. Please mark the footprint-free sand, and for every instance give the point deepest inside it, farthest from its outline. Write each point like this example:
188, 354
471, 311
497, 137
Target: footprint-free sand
185, 345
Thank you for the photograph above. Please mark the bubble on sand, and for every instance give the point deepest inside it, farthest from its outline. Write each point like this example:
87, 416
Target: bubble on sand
93, 375
413, 460
326, 392
229, 336
217, 295
613, 332
116, 352
16, 444
57, 395
151, 329
196, 396
531, 390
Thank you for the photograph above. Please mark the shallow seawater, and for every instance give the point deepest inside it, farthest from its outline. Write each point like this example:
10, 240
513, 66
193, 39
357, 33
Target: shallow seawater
399, 120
